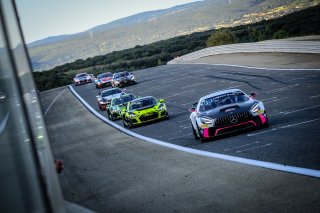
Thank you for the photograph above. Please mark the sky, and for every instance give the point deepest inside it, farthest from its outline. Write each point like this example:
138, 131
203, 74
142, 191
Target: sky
44, 18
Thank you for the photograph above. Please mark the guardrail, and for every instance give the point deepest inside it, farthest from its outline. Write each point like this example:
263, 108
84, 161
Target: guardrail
284, 46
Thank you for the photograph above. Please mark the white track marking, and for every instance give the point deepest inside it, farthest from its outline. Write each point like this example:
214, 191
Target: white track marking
275, 100
263, 164
281, 89
267, 99
236, 147
315, 96
283, 127
257, 147
298, 110
45, 113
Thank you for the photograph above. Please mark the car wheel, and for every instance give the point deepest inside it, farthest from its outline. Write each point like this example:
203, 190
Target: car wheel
167, 116
110, 117
124, 124
129, 125
194, 133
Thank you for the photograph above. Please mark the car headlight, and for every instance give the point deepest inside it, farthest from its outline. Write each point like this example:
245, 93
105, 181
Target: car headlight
103, 102
207, 120
255, 108
132, 78
162, 107
116, 82
133, 115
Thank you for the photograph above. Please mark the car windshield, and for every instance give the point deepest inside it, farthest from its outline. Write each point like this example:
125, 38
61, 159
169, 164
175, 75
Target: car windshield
111, 92
81, 75
119, 75
127, 98
116, 101
104, 75
142, 103
221, 100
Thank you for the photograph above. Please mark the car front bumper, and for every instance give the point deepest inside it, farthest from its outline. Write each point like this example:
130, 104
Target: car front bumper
254, 121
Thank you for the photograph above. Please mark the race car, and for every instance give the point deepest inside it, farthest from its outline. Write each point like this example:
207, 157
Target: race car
103, 80
142, 110
82, 78
115, 108
226, 111
104, 98
122, 79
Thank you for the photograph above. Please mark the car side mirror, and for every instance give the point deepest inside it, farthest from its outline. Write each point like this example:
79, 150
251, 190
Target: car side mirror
161, 100
253, 95
192, 109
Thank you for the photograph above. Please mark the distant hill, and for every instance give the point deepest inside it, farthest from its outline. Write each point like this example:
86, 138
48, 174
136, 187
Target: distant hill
149, 27
301, 23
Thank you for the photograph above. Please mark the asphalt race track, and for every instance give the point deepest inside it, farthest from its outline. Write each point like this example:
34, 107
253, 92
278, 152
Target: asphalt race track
291, 97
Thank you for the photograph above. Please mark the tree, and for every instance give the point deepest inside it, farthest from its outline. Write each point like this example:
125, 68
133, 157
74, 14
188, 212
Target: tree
280, 34
222, 37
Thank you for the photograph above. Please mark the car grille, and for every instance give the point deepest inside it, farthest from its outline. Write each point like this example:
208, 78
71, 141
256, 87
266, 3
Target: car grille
233, 119
148, 117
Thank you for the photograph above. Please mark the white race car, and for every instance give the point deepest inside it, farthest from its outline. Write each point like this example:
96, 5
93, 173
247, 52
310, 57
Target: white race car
82, 78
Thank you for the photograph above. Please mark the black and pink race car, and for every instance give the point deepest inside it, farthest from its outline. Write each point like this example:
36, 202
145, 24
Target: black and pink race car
226, 111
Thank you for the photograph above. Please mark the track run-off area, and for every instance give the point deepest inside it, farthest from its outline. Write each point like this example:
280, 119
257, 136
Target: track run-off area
291, 97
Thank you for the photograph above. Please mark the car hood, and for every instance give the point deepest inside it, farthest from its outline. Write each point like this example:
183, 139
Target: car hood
106, 79
109, 97
229, 109
121, 79
146, 109
81, 78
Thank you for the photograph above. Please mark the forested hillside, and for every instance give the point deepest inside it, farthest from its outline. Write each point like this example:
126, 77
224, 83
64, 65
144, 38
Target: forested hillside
152, 26
304, 22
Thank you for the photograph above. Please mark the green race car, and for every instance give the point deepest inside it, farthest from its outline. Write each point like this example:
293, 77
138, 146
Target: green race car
143, 110
117, 104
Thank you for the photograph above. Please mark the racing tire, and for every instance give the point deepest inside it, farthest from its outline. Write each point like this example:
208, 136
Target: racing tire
110, 117
167, 117
194, 133
126, 125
